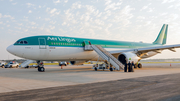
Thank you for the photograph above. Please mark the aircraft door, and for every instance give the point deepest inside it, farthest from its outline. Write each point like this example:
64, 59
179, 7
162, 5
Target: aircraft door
43, 50
42, 43
87, 45
86, 42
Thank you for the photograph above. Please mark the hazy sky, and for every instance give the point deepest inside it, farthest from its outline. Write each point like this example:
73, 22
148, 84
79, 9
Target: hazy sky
125, 20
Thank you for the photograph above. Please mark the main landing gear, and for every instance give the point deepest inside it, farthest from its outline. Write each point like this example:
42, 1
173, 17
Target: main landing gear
139, 65
40, 66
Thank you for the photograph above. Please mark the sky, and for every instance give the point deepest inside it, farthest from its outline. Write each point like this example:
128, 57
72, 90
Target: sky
124, 20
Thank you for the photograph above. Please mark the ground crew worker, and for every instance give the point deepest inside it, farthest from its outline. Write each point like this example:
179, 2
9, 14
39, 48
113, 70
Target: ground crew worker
129, 66
111, 68
132, 66
125, 67
106, 64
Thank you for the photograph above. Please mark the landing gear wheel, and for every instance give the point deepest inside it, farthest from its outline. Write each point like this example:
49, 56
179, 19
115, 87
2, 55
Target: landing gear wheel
41, 69
40, 66
139, 65
95, 69
27, 66
136, 65
111, 69
17, 66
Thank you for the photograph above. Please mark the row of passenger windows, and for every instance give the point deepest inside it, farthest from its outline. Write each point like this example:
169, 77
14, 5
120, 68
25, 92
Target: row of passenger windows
66, 44
21, 42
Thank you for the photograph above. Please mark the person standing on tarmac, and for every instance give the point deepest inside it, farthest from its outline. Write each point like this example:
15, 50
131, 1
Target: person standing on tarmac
125, 68
132, 66
106, 64
111, 68
129, 66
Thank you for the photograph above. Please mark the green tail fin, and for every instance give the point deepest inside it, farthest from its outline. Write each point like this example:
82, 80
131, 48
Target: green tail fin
161, 39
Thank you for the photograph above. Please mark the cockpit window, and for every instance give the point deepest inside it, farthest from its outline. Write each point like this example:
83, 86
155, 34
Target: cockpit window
25, 42
17, 42
21, 42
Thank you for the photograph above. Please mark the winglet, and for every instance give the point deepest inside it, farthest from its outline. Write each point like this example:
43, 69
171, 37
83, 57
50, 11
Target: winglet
161, 39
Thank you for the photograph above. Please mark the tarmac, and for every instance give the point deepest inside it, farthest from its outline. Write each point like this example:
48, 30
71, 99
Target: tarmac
152, 82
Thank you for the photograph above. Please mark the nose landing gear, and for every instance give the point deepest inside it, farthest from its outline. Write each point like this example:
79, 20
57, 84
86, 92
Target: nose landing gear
40, 66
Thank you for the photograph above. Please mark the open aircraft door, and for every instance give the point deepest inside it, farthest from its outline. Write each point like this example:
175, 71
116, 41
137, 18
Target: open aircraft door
87, 45
86, 42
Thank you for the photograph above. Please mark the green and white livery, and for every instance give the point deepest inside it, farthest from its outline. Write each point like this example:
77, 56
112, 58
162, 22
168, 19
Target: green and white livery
60, 48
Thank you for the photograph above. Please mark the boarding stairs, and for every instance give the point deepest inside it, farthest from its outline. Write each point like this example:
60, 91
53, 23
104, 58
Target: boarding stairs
104, 54
26, 63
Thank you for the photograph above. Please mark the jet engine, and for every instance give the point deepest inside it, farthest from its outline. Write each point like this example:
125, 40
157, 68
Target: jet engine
128, 56
77, 62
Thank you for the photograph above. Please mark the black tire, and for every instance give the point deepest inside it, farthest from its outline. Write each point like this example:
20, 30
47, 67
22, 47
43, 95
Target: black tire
17, 66
41, 69
95, 69
136, 65
10, 66
139, 65
111, 69
27, 66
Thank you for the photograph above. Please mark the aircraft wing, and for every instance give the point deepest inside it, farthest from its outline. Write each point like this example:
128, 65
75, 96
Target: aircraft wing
157, 49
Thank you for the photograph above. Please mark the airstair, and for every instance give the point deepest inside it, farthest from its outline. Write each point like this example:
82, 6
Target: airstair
26, 63
104, 54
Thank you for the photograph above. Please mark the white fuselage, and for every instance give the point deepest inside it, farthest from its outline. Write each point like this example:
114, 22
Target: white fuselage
57, 53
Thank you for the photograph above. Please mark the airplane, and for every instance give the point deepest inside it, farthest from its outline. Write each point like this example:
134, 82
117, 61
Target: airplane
61, 48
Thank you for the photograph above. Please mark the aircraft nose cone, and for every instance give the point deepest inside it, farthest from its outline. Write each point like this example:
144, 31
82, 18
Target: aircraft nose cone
10, 49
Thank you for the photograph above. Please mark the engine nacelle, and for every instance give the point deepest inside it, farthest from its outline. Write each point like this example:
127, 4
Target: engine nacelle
77, 62
126, 57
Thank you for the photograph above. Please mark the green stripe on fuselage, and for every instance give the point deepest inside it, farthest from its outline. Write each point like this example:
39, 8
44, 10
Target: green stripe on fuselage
58, 41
